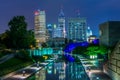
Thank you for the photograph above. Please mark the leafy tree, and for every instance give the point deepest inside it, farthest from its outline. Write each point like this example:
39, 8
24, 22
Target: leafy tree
18, 37
28, 40
95, 50
17, 31
92, 50
5, 39
79, 50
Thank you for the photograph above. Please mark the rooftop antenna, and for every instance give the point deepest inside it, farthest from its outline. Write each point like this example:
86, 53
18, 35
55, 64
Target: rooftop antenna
78, 13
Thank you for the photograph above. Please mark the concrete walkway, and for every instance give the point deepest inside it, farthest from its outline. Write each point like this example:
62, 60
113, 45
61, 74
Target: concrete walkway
24, 73
94, 72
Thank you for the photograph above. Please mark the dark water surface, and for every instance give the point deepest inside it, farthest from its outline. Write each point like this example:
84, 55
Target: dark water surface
61, 71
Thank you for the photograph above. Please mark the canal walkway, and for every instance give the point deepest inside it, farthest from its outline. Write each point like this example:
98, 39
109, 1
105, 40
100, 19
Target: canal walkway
93, 69
26, 72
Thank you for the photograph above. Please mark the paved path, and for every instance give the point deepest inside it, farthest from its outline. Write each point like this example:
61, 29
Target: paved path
6, 57
24, 73
94, 72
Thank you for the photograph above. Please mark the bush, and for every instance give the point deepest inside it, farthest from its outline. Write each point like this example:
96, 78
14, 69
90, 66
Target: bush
38, 58
23, 54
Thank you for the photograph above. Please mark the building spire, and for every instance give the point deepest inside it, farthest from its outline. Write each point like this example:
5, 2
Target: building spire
78, 13
61, 14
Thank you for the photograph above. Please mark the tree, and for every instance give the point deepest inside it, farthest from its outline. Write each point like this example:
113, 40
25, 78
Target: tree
18, 37
96, 50
29, 39
17, 31
5, 39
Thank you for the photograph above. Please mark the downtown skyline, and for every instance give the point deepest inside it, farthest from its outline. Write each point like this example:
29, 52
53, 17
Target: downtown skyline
95, 11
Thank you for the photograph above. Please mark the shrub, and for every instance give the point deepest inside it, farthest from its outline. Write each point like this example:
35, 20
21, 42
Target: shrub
23, 54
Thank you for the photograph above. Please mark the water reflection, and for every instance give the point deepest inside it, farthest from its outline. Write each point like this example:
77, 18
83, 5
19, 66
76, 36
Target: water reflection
62, 71
40, 75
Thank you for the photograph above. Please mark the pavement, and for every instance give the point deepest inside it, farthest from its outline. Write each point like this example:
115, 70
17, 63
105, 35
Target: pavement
26, 72
94, 69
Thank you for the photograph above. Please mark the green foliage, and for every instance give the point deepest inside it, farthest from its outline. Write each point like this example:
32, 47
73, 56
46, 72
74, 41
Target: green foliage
38, 58
17, 31
95, 50
18, 37
23, 55
79, 50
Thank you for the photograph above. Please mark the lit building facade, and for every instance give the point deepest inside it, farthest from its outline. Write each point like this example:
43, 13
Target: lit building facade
76, 30
40, 26
89, 33
91, 38
56, 31
50, 30
61, 24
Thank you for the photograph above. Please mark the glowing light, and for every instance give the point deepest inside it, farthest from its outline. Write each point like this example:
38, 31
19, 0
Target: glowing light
36, 12
71, 46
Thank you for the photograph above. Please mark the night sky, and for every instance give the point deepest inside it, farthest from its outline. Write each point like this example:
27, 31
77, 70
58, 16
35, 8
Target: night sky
96, 11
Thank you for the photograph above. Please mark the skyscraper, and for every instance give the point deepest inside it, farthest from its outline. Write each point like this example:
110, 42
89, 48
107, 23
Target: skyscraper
56, 31
89, 32
77, 29
61, 24
40, 26
50, 30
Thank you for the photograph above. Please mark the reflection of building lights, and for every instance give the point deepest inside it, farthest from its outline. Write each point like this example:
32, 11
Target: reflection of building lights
54, 71
49, 71
37, 40
97, 78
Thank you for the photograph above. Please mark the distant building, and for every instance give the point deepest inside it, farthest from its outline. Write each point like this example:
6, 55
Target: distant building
91, 38
76, 30
61, 24
89, 33
40, 26
109, 33
50, 30
56, 42
56, 31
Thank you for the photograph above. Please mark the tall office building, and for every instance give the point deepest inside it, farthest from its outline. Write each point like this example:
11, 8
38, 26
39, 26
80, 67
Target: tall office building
40, 26
77, 29
89, 33
61, 24
50, 30
55, 31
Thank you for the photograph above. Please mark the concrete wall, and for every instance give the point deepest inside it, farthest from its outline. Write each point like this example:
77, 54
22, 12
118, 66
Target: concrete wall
109, 33
113, 66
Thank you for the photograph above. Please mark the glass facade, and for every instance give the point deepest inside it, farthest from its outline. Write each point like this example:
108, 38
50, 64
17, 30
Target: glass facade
77, 29
40, 26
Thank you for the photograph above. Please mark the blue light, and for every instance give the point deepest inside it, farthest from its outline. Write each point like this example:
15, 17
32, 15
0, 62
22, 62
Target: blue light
71, 46
69, 58
96, 41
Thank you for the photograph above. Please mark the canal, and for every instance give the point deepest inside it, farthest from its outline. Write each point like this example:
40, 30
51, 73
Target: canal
61, 70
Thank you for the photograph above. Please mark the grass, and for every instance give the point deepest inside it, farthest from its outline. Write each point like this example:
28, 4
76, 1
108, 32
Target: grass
5, 52
13, 64
1, 55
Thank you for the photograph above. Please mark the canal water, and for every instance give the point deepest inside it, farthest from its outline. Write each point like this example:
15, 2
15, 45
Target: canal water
61, 71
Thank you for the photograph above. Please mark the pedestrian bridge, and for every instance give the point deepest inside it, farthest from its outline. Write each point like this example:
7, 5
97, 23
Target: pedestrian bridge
71, 46
44, 51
